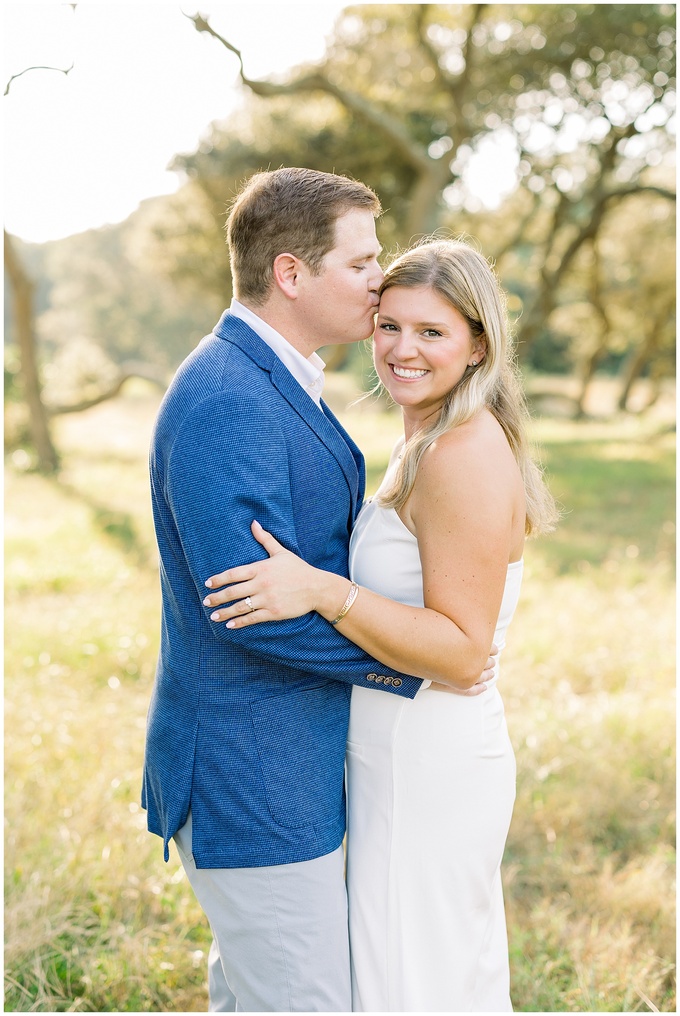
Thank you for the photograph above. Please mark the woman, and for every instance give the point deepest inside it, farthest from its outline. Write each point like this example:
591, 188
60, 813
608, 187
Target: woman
436, 566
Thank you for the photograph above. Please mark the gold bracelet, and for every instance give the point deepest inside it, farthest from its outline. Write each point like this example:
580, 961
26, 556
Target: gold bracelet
351, 597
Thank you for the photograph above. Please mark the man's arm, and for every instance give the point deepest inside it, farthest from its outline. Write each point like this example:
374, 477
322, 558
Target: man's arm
227, 466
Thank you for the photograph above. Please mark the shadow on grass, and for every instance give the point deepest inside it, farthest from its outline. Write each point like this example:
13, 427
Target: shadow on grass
617, 501
116, 525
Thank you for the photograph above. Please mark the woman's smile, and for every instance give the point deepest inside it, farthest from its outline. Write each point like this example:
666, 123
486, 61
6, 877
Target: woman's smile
407, 373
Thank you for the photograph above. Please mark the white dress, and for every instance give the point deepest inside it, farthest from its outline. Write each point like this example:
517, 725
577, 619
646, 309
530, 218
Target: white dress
431, 787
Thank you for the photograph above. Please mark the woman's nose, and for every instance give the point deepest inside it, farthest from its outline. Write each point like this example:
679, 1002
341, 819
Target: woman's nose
405, 348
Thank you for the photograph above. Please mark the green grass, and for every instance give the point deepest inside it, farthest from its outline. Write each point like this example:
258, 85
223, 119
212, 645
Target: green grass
95, 921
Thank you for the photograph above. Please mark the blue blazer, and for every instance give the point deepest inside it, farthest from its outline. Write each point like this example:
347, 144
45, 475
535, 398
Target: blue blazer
247, 728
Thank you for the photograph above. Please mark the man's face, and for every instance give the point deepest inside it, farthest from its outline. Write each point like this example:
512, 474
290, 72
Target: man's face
339, 304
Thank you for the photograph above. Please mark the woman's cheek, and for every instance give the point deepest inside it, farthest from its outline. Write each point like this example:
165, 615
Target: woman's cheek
380, 349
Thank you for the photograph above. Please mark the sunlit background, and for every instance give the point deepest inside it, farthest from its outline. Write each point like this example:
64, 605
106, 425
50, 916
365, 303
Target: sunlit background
83, 150
546, 133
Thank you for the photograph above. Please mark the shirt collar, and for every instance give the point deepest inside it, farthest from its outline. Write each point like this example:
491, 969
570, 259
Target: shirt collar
307, 372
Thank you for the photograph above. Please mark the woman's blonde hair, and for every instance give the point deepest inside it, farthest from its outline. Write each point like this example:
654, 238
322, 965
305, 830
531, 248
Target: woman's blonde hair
465, 279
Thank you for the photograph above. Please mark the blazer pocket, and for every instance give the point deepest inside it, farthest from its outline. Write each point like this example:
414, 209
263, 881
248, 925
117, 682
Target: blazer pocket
300, 739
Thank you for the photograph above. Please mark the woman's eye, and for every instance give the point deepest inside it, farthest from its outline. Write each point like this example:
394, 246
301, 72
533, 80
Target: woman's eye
432, 333
386, 327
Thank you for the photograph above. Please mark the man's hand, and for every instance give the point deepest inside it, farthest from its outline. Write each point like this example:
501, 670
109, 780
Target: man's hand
480, 686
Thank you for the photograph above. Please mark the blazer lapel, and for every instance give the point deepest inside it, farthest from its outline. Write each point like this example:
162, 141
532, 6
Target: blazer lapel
355, 451
321, 421
326, 427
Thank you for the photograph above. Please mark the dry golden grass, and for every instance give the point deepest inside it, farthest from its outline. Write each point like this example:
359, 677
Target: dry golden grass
95, 921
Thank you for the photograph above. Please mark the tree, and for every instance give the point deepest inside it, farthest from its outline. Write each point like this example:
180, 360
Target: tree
22, 291
576, 99
111, 287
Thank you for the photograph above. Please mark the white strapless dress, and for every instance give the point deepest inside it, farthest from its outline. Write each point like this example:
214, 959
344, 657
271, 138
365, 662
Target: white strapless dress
431, 787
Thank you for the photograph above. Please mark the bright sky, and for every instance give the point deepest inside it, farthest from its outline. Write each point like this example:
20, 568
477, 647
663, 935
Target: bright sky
83, 150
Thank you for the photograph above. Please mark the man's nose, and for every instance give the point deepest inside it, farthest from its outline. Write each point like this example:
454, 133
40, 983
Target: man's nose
376, 277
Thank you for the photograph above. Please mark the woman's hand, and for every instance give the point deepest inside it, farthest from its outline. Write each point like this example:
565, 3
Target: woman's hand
480, 686
281, 587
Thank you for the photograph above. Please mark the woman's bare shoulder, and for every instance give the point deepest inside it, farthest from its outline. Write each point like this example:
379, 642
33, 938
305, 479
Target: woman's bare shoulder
477, 444
469, 481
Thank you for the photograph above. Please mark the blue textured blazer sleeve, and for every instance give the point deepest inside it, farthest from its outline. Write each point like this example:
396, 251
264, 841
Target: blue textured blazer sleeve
229, 464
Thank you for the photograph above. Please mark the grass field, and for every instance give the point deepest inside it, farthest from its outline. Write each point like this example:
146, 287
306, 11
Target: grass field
96, 922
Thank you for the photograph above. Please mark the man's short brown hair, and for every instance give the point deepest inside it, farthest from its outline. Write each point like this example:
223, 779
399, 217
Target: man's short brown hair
289, 211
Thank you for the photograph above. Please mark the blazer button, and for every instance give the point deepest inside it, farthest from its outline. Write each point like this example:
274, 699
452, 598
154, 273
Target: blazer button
397, 683
379, 678
389, 680
371, 677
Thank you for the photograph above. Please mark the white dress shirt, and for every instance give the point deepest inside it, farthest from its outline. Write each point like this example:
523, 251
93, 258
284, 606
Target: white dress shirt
307, 372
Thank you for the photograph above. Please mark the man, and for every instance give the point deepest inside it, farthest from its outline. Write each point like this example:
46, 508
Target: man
246, 737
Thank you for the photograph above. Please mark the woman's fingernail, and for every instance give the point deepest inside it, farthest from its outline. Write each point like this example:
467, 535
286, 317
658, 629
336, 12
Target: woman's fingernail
215, 616
230, 624
208, 583
206, 602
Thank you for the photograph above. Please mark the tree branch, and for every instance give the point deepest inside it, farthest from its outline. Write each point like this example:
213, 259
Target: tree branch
648, 188
129, 369
60, 70
468, 51
448, 81
201, 25
514, 240
589, 230
455, 85
377, 118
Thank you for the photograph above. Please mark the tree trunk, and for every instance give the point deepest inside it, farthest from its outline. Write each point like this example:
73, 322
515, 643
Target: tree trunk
425, 204
22, 297
635, 366
587, 372
597, 300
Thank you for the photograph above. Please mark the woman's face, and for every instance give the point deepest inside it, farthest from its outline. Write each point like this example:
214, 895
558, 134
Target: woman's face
422, 347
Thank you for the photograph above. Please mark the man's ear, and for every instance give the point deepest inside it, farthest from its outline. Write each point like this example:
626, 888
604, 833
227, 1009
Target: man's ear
286, 269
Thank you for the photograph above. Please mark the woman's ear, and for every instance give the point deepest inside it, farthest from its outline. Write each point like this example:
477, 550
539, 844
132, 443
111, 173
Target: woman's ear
478, 352
286, 268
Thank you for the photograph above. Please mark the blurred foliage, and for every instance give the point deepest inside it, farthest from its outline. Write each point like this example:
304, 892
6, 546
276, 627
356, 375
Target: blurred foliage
566, 108
574, 103
107, 287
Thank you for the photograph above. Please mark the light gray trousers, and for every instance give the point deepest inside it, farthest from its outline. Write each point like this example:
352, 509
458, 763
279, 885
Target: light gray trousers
280, 941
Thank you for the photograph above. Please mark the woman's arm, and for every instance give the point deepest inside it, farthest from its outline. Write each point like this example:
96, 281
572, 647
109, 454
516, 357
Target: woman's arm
465, 512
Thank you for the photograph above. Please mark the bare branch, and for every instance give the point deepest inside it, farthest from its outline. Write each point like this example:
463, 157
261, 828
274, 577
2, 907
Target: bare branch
379, 119
201, 25
443, 76
60, 70
514, 240
130, 369
456, 85
468, 50
624, 192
